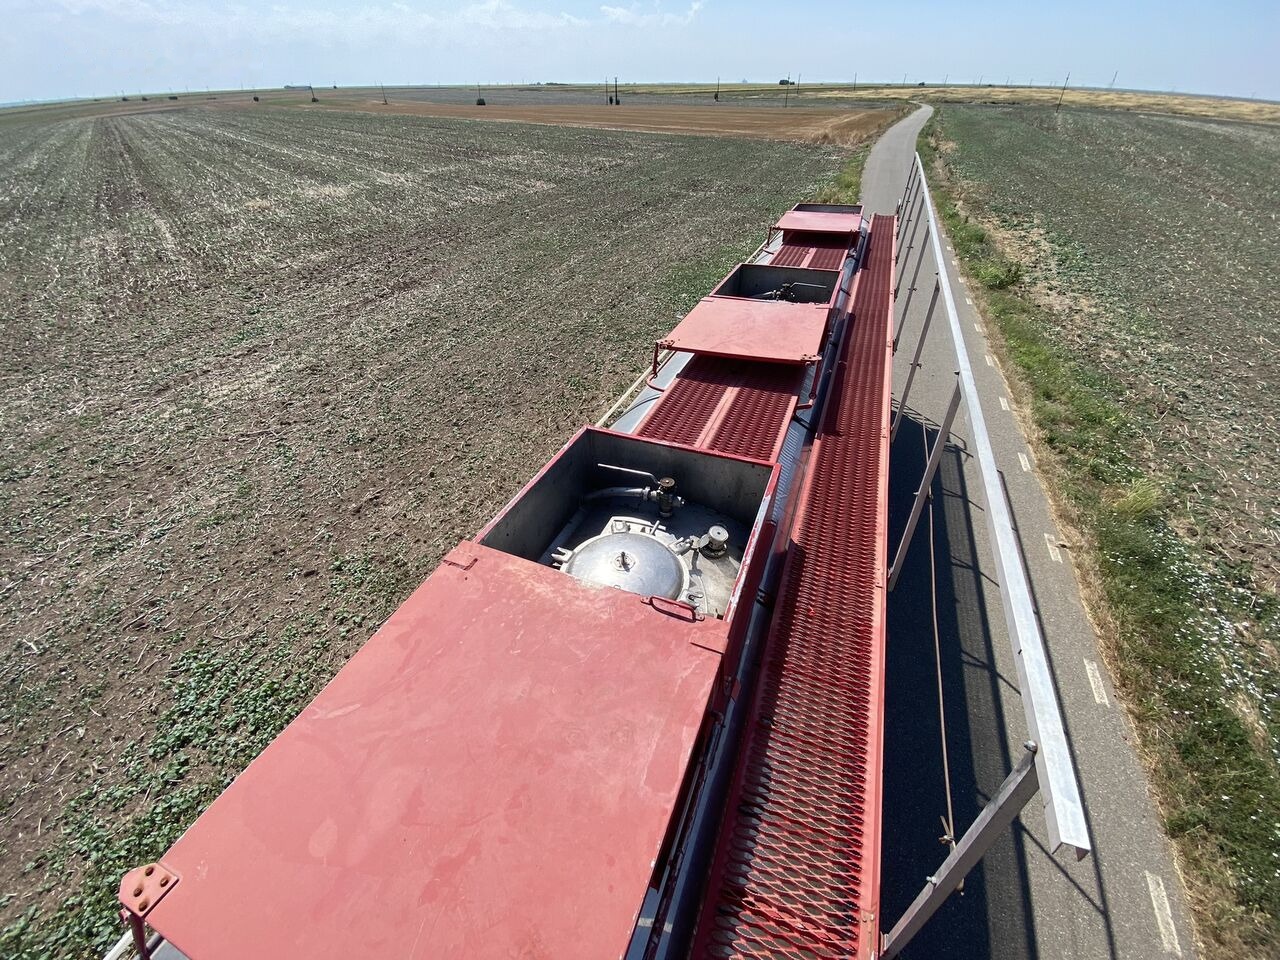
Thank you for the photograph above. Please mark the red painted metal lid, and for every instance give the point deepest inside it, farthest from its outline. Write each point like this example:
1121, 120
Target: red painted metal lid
774, 331
492, 775
820, 221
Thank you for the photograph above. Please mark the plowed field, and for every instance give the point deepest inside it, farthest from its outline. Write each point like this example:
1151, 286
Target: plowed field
258, 371
806, 124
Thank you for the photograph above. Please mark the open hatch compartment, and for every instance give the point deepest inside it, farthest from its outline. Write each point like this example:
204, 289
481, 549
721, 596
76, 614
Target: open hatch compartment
757, 281
848, 209
651, 518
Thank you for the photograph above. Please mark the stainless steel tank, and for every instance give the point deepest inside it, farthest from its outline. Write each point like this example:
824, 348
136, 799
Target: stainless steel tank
635, 562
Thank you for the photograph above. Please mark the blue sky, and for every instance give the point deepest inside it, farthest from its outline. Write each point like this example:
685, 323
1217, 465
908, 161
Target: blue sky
62, 48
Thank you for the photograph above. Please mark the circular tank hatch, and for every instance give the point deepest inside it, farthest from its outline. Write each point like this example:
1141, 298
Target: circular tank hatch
635, 562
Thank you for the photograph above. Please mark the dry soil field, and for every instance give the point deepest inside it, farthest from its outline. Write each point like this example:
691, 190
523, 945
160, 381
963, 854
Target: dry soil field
1167, 228
843, 120
803, 124
829, 96
1137, 101
258, 370
1144, 322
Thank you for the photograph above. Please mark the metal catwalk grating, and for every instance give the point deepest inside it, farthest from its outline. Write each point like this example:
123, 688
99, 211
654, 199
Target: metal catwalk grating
829, 258
796, 869
813, 250
791, 255
688, 403
758, 414
753, 419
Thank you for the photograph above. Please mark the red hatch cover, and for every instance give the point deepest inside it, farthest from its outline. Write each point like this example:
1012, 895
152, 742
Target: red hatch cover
820, 221
492, 775
774, 331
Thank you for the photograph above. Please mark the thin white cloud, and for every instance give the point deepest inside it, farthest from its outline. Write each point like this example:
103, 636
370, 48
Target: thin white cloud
504, 16
292, 22
639, 16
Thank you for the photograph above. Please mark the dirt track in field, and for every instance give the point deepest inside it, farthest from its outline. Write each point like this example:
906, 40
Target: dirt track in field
804, 124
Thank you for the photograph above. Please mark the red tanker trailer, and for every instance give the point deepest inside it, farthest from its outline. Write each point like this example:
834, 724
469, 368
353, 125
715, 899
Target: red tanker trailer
639, 713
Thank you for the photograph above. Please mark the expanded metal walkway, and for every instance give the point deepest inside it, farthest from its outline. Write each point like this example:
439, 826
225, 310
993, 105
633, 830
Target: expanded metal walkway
814, 250
796, 868
734, 406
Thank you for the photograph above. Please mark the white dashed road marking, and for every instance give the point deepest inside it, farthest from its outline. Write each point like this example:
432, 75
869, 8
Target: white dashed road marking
1004, 404
1026, 464
1051, 542
969, 301
990, 361
1164, 916
1095, 681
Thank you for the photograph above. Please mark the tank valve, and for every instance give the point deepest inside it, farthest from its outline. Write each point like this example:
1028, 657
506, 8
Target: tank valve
666, 496
717, 542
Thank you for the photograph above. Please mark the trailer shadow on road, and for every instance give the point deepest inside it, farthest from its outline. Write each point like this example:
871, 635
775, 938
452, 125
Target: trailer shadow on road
992, 916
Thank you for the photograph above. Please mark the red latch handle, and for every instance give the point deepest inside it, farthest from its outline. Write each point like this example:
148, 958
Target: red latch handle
675, 608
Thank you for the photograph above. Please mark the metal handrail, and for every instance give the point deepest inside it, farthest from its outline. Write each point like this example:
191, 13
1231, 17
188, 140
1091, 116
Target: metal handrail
1055, 767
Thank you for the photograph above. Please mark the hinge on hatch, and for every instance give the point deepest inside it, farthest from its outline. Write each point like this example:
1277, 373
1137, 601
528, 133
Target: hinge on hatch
463, 556
140, 890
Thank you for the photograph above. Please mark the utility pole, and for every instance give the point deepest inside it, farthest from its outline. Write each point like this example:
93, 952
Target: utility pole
1063, 93
1112, 84
786, 95
855, 79
904, 79
945, 78
717, 89
384, 93
617, 100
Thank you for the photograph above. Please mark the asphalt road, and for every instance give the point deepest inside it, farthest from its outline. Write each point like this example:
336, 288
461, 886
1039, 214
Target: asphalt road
1126, 900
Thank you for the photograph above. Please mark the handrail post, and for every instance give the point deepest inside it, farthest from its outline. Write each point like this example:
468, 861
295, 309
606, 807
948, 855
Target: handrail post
906, 189
914, 276
910, 244
923, 493
1014, 794
915, 362
906, 216
1055, 767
